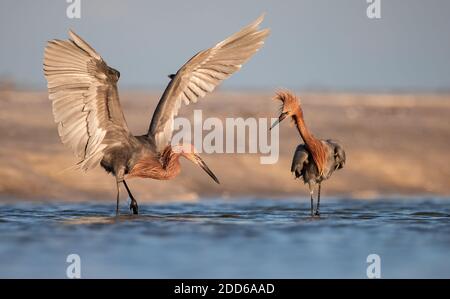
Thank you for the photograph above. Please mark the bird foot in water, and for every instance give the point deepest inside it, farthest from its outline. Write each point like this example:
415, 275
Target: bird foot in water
134, 207
317, 213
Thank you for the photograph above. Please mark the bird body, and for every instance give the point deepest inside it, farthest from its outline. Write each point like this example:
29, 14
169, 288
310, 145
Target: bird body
314, 160
151, 167
86, 107
304, 167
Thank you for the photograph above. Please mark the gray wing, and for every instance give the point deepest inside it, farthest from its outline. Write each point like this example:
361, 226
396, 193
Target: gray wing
339, 153
200, 75
84, 97
299, 160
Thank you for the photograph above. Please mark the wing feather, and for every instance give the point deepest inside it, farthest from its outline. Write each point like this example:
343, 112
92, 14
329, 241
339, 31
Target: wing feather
83, 91
201, 75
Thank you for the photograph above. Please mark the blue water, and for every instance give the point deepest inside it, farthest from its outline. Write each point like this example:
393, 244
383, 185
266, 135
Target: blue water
246, 238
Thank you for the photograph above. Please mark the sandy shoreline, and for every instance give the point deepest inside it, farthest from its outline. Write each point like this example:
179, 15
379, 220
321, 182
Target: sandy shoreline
396, 144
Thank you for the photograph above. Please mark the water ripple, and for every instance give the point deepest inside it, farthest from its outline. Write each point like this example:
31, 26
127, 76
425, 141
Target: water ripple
239, 238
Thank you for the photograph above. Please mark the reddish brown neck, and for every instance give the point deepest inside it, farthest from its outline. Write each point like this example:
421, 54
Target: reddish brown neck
306, 135
168, 157
164, 167
313, 144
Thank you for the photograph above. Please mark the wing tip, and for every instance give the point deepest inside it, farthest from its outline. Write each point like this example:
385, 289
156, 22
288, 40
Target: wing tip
259, 20
265, 31
75, 38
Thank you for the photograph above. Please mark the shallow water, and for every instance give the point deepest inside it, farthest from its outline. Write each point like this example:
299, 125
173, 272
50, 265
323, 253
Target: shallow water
228, 239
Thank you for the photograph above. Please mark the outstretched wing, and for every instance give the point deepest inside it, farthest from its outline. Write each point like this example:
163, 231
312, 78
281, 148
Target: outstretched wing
201, 74
84, 97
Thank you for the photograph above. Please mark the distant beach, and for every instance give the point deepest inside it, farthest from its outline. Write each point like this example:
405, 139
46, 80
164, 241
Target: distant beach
396, 144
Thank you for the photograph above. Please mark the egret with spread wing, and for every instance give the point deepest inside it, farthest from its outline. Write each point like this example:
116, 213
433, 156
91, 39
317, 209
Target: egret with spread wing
86, 106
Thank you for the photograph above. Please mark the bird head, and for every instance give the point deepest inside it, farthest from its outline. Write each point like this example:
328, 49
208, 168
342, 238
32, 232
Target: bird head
188, 151
289, 105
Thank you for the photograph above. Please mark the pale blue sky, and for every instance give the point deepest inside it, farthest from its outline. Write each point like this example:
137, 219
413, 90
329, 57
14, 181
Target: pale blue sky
315, 44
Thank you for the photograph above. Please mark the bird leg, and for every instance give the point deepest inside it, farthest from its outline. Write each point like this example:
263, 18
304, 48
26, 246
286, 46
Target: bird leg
311, 192
317, 213
133, 205
118, 193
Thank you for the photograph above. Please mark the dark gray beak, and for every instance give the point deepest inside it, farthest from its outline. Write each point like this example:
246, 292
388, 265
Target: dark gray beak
280, 119
205, 167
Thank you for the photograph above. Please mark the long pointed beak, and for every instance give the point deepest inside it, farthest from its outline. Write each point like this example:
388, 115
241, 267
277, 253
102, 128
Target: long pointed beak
280, 119
205, 167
